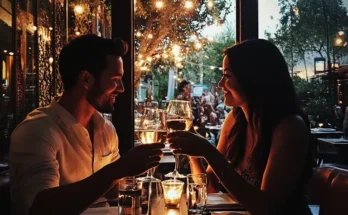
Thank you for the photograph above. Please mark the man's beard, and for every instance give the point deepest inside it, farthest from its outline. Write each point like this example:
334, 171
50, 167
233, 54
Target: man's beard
101, 102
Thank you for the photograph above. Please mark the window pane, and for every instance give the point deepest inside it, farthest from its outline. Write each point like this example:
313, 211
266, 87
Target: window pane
312, 35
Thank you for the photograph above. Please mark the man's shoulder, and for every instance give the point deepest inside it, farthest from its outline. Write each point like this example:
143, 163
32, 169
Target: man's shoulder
38, 122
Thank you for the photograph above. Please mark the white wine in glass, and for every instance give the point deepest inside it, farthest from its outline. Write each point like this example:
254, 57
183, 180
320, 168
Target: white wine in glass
179, 118
151, 131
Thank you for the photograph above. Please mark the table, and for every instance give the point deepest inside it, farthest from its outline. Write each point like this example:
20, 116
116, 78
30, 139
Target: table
340, 145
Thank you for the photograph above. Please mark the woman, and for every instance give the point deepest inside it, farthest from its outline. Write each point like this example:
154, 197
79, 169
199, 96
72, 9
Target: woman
262, 158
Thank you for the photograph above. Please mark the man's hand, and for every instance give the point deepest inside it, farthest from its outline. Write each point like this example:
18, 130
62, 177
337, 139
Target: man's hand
139, 159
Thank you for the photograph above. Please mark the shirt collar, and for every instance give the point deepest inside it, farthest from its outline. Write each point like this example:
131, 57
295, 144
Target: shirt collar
69, 120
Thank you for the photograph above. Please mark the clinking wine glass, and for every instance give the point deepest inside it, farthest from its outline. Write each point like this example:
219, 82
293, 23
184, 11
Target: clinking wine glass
152, 130
179, 118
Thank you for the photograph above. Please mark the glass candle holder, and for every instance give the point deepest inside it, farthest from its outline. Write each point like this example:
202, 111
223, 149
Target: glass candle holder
172, 190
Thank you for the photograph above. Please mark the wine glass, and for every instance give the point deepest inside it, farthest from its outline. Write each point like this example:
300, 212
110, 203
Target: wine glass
151, 130
179, 118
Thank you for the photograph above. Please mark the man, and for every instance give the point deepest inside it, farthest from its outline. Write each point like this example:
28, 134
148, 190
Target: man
65, 156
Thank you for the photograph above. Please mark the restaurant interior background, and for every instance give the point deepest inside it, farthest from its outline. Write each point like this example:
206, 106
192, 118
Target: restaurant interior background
165, 51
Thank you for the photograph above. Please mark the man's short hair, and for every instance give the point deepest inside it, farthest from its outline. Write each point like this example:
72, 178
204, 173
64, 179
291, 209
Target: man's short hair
87, 52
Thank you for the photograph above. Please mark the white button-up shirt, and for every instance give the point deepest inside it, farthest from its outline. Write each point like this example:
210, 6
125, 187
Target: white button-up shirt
51, 148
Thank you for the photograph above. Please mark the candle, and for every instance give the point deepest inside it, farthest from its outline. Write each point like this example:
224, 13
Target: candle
172, 192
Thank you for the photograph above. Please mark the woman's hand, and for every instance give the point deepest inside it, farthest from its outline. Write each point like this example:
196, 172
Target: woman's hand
183, 142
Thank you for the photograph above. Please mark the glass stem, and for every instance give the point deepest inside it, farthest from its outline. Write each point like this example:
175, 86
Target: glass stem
177, 160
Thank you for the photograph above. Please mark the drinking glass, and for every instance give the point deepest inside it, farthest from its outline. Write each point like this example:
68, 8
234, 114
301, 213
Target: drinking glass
129, 196
151, 130
179, 118
196, 192
152, 201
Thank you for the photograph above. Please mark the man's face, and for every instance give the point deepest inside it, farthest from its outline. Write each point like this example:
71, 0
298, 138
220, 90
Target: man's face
105, 89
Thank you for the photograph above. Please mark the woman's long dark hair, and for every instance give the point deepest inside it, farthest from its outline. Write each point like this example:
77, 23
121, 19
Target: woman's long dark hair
263, 75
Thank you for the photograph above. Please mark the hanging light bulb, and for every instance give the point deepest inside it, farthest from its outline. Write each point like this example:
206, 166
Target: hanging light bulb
198, 45
159, 4
188, 4
210, 4
150, 36
138, 34
78, 9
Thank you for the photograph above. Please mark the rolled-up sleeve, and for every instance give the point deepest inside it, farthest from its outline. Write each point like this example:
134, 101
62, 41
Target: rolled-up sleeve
33, 165
115, 150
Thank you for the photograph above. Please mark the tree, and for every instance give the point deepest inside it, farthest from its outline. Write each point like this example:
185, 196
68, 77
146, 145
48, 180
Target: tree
164, 30
306, 26
209, 59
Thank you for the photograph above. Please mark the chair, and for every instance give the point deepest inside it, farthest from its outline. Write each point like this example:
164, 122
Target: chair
329, 189
339, 193
5, 197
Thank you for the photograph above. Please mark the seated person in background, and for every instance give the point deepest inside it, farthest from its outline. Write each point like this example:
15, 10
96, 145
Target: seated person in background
263, 157
184, 90
64, 157
211, 115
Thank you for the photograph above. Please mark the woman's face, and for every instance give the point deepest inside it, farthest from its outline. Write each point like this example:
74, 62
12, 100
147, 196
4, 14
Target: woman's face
232, 92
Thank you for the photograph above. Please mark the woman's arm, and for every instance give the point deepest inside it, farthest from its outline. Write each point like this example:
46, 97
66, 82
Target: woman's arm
290, 143
197, 166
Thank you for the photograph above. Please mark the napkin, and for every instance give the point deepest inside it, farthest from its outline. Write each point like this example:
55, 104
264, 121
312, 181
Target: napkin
222, 201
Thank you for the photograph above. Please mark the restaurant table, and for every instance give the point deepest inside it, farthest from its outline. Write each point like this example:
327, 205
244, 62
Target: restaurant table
215, 200
340, 145
326, 132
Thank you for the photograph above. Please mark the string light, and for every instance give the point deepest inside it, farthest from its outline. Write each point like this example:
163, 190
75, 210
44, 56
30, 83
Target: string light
140, 56
11, 53
138, 34
165, 56
78, 9
198, 45
149, 59
210, 4
158, 56
50, 60
5, 51
34, 28
159, 4
77, 33
212, 67
50, 28
188, 4
339, 41
341, 33
150, 36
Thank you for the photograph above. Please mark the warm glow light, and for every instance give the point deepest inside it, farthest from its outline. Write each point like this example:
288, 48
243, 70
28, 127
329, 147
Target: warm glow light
78, 9
339, 102
11, 53
149, 59
320, 124
5, 51
77, 33
159, 4
210, 4
220, 68
150, 36
212, 67
165, 56
188, 4
50, 60
34, 28
138, 34
176, 50
338, 41
50, 28
198, 45
140, 56
174, 76
158, 56
341, 33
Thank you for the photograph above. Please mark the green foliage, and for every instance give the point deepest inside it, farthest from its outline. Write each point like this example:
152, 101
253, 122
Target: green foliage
313, 95
210, 56
304, 25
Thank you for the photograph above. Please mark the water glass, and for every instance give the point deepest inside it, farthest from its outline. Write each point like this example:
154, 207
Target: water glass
196, 193
129, 196
172, 190
152, 201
